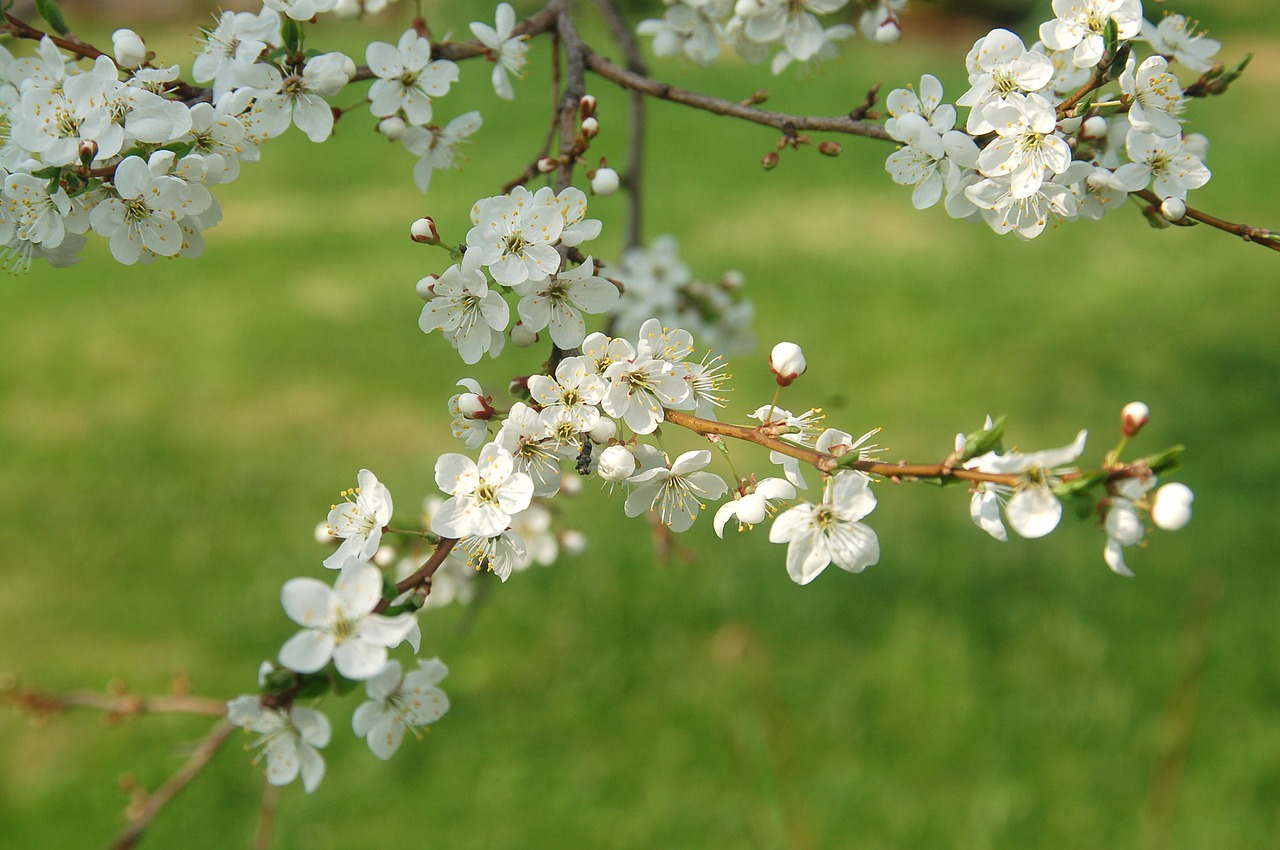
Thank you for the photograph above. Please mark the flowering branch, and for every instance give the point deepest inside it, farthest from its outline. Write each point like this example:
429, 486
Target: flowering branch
1258, 235
116, 705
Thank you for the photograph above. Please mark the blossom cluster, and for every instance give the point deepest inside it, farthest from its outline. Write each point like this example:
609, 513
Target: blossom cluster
700, 29
1046, 140
123, 148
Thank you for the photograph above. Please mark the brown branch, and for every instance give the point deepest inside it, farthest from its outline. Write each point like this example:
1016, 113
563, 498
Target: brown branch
71, 44
422, 575
153, 804
780, 120
1095, 82
116, 705
575, 86
1260, 235
633, 174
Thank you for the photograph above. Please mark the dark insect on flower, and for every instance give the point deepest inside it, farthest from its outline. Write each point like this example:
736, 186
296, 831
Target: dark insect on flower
584, 456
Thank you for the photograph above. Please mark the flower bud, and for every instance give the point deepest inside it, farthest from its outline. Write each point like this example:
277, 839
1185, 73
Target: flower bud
769, 160
746, 8
573, 542
546, 165
88, 152
1173, 209
393, 127
1171, 506
888, 32
605, 181
604, 430
571, 485
473, 406
590, 127
128, 47
616, 464
519, 386
1133, 417
787, 362
385, 556
424, 230
731, 280
1196, 144
587, 106
1095, 127
521, 336
427, 287
829, 148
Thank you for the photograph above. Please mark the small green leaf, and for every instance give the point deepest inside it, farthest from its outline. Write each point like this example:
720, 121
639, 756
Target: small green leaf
278, 681
1083, 484
985, 440
292, 34
1082, 504
1166, 461
50, 11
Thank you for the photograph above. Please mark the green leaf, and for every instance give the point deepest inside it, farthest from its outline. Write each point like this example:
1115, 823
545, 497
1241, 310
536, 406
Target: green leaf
985, 440
1083, 484
278, 681
292, 34
1082, 504
1166, 461
49, 10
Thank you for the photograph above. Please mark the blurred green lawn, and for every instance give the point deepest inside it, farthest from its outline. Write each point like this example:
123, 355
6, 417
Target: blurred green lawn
171, 435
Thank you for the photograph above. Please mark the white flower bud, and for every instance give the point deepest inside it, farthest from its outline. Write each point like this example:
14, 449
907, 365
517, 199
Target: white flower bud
522, 337
787, 362
605, 182
604, 430
1134, 415
1171, 506
1173, 209
546, 165
385, 556
323, 535
587, 106
472, 406
746, 8
393, 127
128, 47
424, 230
1196, 144
616, 464
573, 542
571, 484
590, 127
349, 67
732, 280
1095, 127
888, 32
426, 287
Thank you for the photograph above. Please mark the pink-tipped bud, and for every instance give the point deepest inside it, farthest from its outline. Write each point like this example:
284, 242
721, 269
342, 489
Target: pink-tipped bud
830, 148
769, 161
546, 165
888, 32
519, 386
604, 430
424, 230
787, 362
427, 287
1171, 506
88, 152
1173, 209
732, 280
587, 106
604, 182
590, 128
1133, 417
393, 127
521, 336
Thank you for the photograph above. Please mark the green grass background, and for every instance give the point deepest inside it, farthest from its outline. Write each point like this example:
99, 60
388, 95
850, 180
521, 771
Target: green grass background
171, 434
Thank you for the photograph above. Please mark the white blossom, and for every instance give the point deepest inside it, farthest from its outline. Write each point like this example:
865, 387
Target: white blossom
1080, 24
818, 535
398, 702
675, 492
289, 738
484, 495
1175, 36
359, 523
466, 311
407, 77
507, 52
436, 147
753, 503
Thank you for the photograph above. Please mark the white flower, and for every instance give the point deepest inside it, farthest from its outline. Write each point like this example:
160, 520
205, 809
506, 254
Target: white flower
691, 29
1028, 216
999, 65
505, 51
301, 10
1080, 25
794, 22
560, 300
466, 311
500, 554
1171, 506
484, 496
471, 413
1032, 510
514, 235
435, 147
233, 46
927, 104
1028, 143
299, 97
359, 523
145, 214
1124, 527
288, 736
398, 702
929, 160
676, 492
407, 77
575, 389
534, 449
818, 535
1157, 96
1176, 36
639, 388
752, 504
340, 624
1162, 161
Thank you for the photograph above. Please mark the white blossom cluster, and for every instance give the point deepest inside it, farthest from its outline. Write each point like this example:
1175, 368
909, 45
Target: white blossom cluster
1025, 159
700, 29
122, 148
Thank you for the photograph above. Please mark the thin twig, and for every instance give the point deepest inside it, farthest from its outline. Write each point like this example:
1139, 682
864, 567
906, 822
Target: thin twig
118, 705
161, 797
267, 817
1259, 235
633, 175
